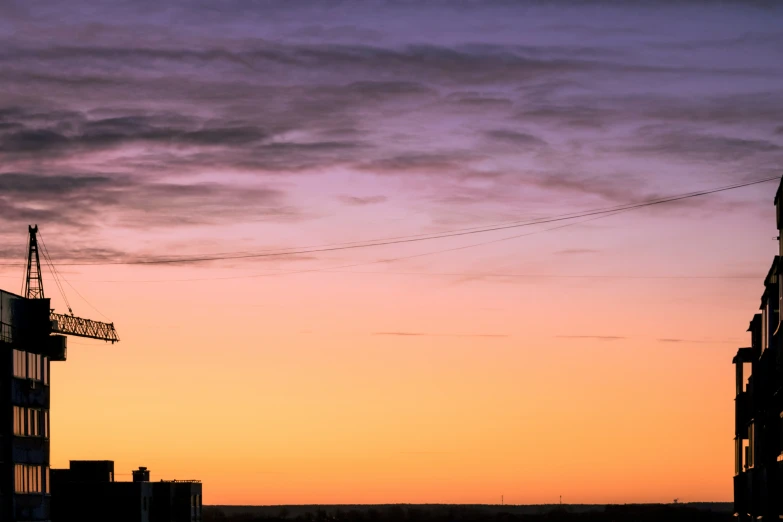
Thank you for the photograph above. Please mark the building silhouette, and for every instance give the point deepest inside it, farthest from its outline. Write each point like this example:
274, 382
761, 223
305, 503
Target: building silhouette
26, 347
758, 430
87, 492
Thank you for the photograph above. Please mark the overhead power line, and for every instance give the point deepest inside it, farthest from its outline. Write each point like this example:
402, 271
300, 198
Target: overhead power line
341, 268
201, 258
443, 235
499, 275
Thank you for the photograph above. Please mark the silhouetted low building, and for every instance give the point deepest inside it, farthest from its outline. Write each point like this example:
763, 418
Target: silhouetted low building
758, 430
87, 492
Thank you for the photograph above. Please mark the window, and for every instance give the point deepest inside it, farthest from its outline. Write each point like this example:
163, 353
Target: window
34, 366
764, 326
19, 419
27, 479
19, 364
31, 422
31, 366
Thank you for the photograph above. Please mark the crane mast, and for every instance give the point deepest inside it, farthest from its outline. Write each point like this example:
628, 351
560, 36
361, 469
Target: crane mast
33, 285
61, 323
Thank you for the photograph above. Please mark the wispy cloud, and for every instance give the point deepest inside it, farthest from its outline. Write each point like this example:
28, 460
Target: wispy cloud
134, 202
694, 341
363, 200
594, 337
430, 334
221, 119
577, 251
516, 138
700, 146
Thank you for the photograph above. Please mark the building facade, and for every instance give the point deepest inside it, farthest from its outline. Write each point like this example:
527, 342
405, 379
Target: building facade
25, 353
758, 430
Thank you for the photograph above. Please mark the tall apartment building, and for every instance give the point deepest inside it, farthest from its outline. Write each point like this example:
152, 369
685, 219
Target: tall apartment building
758, 430
26, 348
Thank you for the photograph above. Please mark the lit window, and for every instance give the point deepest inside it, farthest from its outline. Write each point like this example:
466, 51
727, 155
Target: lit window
18, 420
31, 422
19, 364
34, 366
31, 366
27, 479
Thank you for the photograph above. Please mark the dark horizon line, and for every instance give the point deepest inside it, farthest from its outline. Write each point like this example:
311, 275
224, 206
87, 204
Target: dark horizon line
474, 504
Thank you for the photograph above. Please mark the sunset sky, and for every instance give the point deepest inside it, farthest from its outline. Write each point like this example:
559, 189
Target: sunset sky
591, 361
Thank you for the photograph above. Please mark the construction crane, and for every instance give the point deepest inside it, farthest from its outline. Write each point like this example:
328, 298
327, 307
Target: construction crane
61, 323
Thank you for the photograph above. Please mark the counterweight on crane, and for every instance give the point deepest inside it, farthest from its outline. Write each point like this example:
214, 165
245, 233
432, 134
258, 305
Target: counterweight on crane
61, 323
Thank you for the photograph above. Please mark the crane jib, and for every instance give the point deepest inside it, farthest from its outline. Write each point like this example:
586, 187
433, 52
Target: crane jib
70, 325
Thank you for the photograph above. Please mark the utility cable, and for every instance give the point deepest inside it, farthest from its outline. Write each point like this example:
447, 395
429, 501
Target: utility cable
85, 299
418, 237
364, 263
412, 239
595, 215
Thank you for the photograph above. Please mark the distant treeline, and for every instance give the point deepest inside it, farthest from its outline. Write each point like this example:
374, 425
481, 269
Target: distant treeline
403, 513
